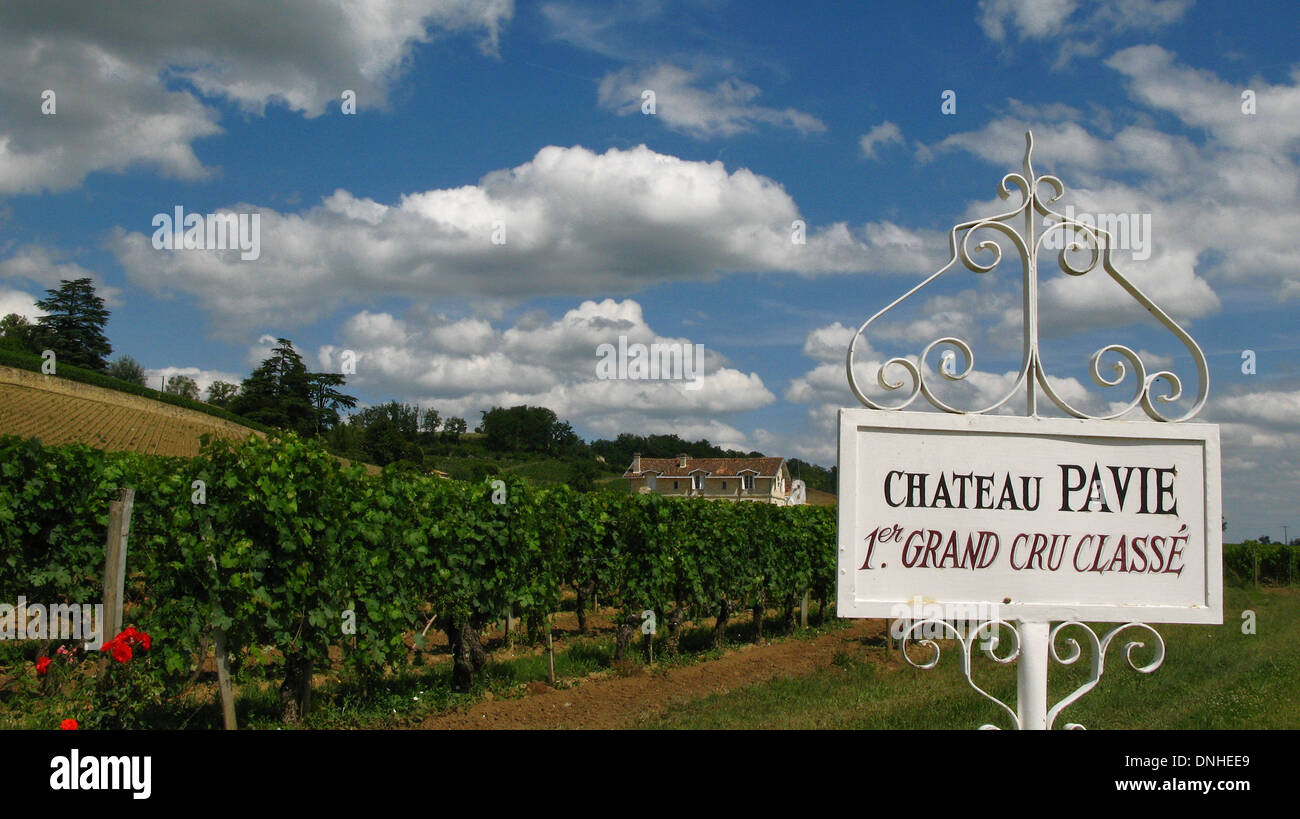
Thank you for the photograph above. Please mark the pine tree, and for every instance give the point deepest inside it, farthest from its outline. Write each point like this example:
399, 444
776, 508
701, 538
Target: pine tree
325, 400
73, 326
278, 392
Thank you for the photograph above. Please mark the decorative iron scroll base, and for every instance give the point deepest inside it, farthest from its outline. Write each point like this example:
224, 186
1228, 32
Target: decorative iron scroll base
1034, 644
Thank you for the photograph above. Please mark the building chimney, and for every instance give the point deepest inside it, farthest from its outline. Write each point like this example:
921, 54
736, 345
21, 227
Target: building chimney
636, 462
681, 460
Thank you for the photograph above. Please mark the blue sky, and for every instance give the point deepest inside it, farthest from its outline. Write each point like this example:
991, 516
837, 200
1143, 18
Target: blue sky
673, 225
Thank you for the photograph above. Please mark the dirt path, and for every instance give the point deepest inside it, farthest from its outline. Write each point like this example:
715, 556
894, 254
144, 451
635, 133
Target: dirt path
624, 702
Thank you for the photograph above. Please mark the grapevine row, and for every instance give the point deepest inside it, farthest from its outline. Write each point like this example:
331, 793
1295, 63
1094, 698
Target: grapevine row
279, 544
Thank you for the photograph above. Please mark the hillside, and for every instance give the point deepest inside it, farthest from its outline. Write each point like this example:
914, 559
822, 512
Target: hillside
816, 497
60, 411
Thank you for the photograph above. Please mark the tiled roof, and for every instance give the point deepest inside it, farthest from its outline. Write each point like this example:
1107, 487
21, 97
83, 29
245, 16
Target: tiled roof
720, 467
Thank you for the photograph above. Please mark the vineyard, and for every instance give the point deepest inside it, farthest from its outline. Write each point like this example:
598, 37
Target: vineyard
62, 411
305, 564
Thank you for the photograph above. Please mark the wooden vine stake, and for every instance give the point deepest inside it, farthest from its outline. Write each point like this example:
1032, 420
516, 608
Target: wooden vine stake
222, 660
119, 528
223, 679
648, 629
550, 657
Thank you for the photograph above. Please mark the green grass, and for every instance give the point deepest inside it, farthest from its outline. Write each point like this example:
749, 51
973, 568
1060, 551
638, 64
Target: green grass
1213, 677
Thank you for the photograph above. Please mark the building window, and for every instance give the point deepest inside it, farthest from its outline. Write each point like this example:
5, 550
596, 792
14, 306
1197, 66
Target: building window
674, 484
747, 483
699, 482
724, 486
650, 481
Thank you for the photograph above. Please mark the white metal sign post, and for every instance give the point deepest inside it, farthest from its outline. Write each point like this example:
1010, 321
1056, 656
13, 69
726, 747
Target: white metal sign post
975, 526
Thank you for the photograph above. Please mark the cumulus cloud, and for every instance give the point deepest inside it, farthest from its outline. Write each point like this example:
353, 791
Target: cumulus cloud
46, 268
20, 302
1223, 211
462, 366
1259, 433
682, 102
131, 81
1277, 409
569, 221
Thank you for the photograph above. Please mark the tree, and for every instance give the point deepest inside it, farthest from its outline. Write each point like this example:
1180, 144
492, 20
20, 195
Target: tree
125, 368
385, 443
453, 429
621, 450
73, 326
326, 400
405, 417
183, 386
528, 429
17, 333
222, 393
388, 432
277, 393
430, 420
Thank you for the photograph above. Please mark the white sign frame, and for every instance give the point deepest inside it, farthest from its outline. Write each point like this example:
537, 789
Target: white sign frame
856, 422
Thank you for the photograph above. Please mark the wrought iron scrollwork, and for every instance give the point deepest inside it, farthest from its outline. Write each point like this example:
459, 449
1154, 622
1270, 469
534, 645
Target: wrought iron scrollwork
1037, 194
967, 642
1070, 655
1099, 646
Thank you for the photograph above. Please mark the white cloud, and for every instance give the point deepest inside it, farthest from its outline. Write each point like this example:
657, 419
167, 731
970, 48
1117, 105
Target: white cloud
1030, 18
830, 344
883, 134
1079, 27
463, 366
17, 301
725, 109
1200, 99
1223, 212
46, 268
575, 222
114, 69
1278, 410
1260, 443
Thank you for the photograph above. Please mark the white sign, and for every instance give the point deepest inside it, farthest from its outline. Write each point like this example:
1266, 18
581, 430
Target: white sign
1046, 518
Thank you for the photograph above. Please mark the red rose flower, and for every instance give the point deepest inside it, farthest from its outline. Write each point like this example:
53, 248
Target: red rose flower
121, 651
42, 665
68, 725
133, 637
